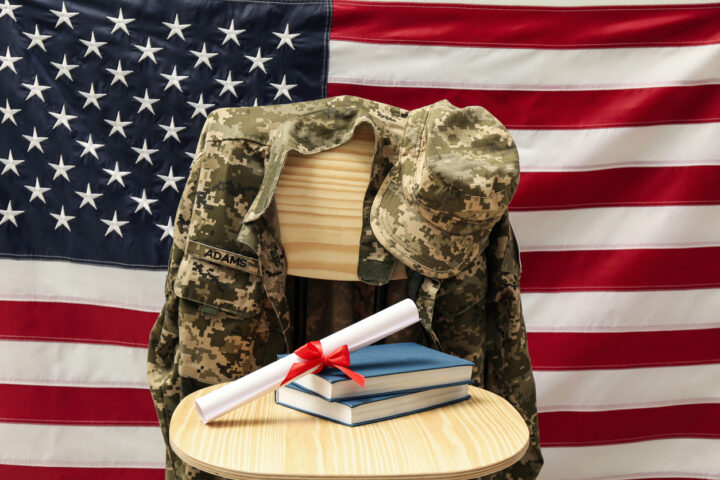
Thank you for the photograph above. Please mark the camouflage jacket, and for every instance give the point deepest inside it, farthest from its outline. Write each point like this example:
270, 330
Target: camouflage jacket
228, 296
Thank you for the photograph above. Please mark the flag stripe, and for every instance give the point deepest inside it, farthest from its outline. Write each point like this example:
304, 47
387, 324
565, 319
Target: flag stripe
23, 472
575, 351
618, 187
456, 25
561, 109
620, 269
76, 405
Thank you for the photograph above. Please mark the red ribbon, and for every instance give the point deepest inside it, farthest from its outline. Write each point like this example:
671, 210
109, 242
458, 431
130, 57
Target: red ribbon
313, 353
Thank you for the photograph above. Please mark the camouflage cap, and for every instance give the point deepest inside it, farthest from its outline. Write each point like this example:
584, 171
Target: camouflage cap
456, 173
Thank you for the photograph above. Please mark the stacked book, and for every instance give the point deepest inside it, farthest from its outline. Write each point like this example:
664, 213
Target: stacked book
400, 379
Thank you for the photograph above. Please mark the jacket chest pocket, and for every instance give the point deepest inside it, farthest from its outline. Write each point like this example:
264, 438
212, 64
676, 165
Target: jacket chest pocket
222, 322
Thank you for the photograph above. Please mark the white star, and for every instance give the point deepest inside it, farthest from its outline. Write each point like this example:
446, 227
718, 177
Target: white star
170, 181
283, 88
114, 225
8, 112
203, 57
88, 198
10, 164
7, 9
255, 102
61, 169
92, 45
258, 61
64, 68
35, 140
167, 229
8, 215
8, 61
120, 22
116, 175
286, 37
117, 125
37, 191
173, 79
228, 84
144, 153
200, 107
143, 202
35, 89
62, 219
64, 16
119, 74
91, 97
176, 28
148, 51
62, 118
90, 147
231, 33
36, 39
146, 102
191, 155
171, 130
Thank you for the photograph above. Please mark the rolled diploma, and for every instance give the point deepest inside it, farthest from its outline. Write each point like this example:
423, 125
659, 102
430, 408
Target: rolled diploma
268, 378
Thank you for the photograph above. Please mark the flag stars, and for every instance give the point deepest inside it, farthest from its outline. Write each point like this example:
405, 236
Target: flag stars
9, 112
285, 37
62, 119
116, 175
258, 61
36, 39
92, 46
200, 107
64, 16
8, 9
37, 191
176, 28
170, 181
8, 61
228, 84
114, 225
146, 103
203, 57
88, 198
171, 130
62, 219
10, 164
35, 89
35, 140
119, 74
91, 98
90, 147
167, 229
143, 202
231, 33
120, 23
148, 51
8, 214
61, 170
144, 153
173, 79
64, 68
283, 88
117, 125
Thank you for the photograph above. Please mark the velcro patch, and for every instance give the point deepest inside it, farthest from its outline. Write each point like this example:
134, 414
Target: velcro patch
223, 257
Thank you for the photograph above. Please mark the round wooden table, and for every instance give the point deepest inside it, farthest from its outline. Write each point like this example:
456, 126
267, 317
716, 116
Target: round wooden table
263, 440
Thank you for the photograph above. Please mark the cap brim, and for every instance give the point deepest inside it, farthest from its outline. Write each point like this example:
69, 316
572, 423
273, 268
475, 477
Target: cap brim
412, 239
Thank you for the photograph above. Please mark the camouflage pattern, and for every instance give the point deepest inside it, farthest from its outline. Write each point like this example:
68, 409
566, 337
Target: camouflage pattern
228, 296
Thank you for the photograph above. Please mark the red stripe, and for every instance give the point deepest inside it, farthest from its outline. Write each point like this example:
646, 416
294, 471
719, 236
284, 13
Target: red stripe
641, 269
76, 405
73, 322
561, 109
620, 426
630, 187
22, 472
523, 26
581, 351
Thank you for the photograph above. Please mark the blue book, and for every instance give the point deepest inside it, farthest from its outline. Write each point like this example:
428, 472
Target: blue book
388, 368
359, 411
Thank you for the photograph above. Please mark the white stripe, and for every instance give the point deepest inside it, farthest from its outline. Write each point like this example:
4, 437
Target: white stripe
60, 281
521, 68
589, 312
672, 457
81, 446
617, 228
601, 148
552, 3
623, 388
72, 364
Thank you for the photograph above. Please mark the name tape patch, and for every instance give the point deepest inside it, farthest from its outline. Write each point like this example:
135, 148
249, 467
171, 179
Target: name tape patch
223, 257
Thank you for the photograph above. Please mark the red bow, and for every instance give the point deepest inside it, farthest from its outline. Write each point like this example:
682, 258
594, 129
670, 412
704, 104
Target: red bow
313, 353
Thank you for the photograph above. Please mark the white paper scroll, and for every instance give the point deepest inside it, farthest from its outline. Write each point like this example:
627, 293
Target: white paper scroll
268, 378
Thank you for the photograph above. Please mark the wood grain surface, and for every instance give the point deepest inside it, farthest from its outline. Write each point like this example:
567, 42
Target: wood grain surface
263, 440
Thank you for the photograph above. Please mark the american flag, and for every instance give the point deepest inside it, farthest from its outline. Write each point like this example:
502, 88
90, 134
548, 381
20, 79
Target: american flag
615, 107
